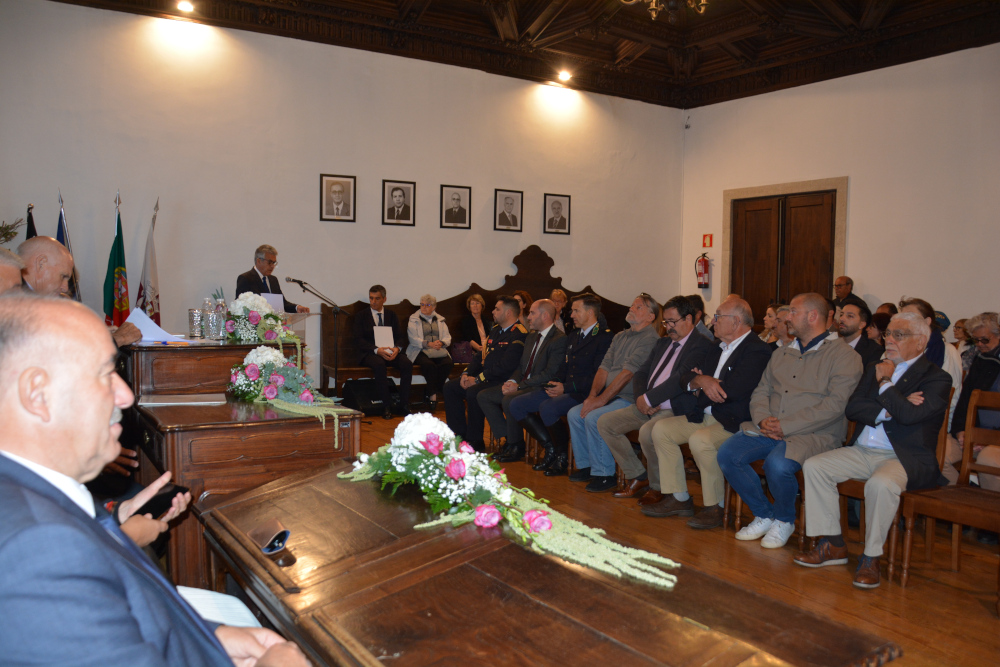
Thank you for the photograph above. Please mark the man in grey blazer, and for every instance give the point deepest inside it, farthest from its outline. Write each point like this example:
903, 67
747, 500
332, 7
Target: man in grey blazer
75, 590
542, 361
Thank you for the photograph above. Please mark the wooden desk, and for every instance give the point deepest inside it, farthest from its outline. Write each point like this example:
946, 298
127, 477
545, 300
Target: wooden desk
358, 583
221, 449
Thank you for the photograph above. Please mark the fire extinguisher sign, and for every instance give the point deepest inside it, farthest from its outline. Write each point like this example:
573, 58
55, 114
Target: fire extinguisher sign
706, 240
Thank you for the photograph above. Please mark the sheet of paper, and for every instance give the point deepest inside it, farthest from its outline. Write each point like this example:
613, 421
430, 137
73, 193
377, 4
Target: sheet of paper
151, 331
277, 301
383, 337
219, 608
183, 399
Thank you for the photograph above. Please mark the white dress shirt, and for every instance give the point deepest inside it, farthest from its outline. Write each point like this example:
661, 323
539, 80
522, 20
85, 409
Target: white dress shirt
727, 351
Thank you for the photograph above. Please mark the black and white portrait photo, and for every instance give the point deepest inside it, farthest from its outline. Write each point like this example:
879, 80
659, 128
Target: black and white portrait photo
456, 202
507, 208
555, 214
336, 197
399, 202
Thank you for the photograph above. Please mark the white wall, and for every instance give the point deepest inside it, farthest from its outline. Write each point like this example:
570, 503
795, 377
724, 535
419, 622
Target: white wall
920, 144
231, 130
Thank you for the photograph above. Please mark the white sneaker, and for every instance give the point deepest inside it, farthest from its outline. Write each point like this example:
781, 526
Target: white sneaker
755, 530
778, 535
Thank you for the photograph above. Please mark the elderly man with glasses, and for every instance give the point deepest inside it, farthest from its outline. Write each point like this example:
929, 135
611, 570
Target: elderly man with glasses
260, 281
899, 406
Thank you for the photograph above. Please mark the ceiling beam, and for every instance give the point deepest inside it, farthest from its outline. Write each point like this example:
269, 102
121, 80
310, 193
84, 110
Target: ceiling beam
764, 8
544, 19
735, 52
504, 16
833, 11
414, 8
627, 51
566, 30
874, 12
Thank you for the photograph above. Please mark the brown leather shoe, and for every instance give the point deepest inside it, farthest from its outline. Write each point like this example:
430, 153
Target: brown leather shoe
669, 506
707, 517
824, 554
651, 496
867, 574
633, 488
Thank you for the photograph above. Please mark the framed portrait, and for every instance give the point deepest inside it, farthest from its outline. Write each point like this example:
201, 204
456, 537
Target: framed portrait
507, 210
456, 202
337, 197
555, 214
399, 203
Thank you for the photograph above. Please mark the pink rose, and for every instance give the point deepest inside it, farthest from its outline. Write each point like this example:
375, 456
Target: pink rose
270, 334
433, 444
455, 469
230, 326
254, 317
466, 448
537, 520
270, 392
234, 378
277, 379
487, 516
253, 372
291, 364
306, 396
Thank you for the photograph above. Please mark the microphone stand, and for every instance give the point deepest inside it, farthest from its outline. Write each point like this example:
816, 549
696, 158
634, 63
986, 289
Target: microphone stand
337, 310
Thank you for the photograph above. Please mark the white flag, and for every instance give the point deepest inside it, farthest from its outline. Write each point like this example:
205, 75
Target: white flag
148, 298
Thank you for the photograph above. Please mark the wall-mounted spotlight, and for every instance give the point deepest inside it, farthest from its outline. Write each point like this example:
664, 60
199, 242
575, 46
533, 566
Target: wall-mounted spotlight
185, 6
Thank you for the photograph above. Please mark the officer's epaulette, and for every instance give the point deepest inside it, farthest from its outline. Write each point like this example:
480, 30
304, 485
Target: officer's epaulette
594, 331
518, 327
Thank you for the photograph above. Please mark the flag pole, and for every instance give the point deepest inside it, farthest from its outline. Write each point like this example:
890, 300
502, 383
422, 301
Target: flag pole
62, 234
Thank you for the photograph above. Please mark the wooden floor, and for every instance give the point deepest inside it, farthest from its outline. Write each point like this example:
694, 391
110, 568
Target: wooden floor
941, 618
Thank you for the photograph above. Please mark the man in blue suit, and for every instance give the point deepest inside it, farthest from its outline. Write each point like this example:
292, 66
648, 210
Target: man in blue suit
75, 590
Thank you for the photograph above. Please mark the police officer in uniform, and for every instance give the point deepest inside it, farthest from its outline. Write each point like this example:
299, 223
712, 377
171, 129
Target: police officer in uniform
503, 353
540, 413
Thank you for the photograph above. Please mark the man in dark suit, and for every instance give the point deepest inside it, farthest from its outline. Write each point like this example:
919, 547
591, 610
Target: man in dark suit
558, 221
706, 417
899, 406
843, 292
76, 589
456, 215
399, 210
503, 350
507, 217
655, 384
854, 319
379, 358
540, 413
260, 281
336, 206
542, 361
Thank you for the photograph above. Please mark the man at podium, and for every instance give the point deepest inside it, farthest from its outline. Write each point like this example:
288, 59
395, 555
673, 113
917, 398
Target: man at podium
260, 281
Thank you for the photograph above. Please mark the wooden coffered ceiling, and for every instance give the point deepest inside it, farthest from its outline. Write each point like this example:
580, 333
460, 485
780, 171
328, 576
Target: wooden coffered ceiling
737, 48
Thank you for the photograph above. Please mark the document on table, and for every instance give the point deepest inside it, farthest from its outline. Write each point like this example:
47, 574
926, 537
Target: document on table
383, 337
150, 330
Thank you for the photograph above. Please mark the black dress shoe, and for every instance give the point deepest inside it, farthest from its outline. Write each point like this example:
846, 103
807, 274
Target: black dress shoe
387, 414
558, 467
512, 453
550, 456
601, 484
581, 475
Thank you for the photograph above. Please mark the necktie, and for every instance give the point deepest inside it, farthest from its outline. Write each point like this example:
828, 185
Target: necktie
379, 319
531, 359
663, 363
142, 561
267, 286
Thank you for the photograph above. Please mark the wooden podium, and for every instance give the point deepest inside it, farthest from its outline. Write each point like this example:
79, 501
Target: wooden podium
357, 585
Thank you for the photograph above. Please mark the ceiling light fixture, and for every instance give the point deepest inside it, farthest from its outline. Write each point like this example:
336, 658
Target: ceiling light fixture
673, 7
565, 76
185, 6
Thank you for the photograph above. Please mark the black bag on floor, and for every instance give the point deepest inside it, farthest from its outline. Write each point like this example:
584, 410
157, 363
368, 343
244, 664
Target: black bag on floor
362, 395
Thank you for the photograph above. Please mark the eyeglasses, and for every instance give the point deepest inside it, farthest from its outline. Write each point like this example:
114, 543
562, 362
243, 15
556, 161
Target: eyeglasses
427, 305
839, 285
671, 323
981, 341
269, 262
718, 315
899, 334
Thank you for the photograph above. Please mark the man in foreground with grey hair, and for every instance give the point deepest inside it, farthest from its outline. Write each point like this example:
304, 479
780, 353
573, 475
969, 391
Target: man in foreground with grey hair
899, 406
10, 270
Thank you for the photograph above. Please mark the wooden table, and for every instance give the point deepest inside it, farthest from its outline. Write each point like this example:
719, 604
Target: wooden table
221, 449
358, 585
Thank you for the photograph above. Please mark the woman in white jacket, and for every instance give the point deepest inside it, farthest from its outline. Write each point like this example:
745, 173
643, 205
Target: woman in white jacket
428, 348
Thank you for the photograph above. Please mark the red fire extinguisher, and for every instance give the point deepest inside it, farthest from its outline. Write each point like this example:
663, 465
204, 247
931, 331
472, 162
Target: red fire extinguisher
701, 268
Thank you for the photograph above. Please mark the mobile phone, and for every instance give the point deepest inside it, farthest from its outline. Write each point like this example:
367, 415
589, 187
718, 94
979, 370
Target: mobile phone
160, 503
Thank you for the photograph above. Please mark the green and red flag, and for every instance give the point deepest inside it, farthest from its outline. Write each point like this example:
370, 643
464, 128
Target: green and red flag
116, 308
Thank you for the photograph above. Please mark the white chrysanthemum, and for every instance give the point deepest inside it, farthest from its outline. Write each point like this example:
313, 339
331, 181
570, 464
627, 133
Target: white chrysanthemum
411, 431
265, 354
250, 301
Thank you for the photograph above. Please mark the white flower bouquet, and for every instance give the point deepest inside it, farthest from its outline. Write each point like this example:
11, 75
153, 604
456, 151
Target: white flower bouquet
252, 320
265, 375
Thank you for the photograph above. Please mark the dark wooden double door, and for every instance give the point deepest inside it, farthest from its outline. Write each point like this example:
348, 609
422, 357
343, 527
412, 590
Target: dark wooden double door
782, 246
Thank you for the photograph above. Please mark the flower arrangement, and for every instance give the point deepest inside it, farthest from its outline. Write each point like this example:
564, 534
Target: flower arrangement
265, 374
463, 486
252, 320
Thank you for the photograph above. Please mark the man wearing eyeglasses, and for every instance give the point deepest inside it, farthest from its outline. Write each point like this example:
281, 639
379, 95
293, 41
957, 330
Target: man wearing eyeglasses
260, 281
843, 292
899, 406
656, 383
984, 333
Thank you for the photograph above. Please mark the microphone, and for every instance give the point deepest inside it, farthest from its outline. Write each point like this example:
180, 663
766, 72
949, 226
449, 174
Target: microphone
294, 280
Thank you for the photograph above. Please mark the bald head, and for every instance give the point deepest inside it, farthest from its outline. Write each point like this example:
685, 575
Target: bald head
808, 316
48, 266
10, 270
541, 314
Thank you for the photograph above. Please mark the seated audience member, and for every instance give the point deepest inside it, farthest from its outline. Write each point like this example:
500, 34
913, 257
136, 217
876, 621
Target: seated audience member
876, 330
611, 390
887, 308
843, 292
797, 411
524, 300
699, 316
75, 589
11, 267
965, 348
854, 319
429, 340
781, 316
586, 346
379, 358
938, 352
705, 419
770, 315
832, 318
656, 384
543, 360
501, 356
899, 406
475, 325
260, 281
561, 301
984, 374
